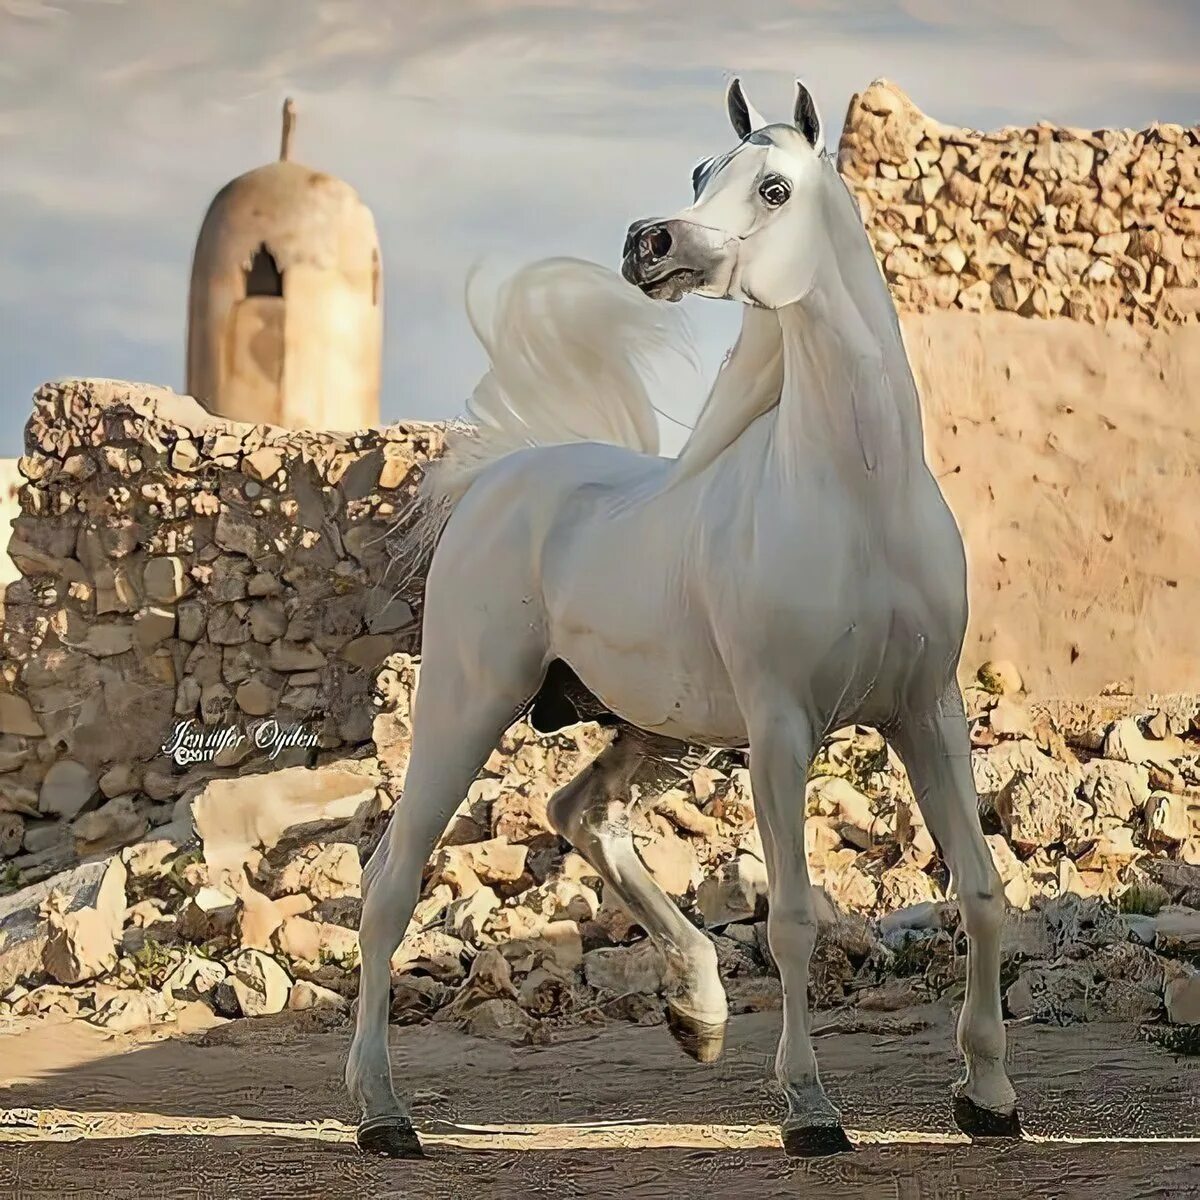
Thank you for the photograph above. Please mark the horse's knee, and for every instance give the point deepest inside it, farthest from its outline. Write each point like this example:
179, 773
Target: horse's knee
981, 902
792, 932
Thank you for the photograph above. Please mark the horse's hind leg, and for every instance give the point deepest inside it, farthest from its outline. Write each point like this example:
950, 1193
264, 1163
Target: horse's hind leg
457, 721
933, 743
592, 812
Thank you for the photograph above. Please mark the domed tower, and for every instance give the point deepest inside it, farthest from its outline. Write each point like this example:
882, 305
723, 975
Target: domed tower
285, 314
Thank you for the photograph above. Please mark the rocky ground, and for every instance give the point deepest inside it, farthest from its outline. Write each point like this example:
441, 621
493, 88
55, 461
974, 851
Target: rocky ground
1095, 831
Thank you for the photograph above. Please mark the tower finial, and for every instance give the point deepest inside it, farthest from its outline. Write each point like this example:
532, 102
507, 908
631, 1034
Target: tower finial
289, 127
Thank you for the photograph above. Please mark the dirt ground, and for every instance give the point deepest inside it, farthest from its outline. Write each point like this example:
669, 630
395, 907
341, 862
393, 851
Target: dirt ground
157, 1115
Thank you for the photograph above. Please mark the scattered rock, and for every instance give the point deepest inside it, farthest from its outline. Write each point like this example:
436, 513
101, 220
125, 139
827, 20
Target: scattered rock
208, 915
1116, 790
850, 887
906, 885
323, 872
623, 969
546, 992
1168, 819
1183, 1000
1012, 871
736, 892
259, 984
670, 859
81, 943
1127, 743
519, 816
195, 978
849, 811
1010, 720
1000, 678
235, 816
1177, 930
302, 940
431, 952
127, 1011
466, 918
491, 862
305, 995
501, 1018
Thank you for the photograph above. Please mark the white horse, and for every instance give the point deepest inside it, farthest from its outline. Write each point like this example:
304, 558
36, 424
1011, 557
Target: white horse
794, 570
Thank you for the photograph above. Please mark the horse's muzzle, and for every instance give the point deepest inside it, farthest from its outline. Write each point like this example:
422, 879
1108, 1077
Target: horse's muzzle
650, 260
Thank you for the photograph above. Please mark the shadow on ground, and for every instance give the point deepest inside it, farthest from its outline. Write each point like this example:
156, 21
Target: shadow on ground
1090, 1081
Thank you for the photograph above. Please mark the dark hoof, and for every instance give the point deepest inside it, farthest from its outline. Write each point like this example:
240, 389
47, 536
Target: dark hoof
391, 1137
697, 1039
815, 1141
978, 1122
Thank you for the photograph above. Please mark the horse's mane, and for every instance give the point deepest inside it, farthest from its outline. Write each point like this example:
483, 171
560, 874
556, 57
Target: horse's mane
569, 343
864, 282
750, 382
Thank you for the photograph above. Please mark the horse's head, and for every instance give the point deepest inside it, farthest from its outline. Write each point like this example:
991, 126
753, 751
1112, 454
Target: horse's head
752, 230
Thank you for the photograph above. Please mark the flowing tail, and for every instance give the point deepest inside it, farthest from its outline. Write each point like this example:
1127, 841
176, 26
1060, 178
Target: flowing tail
568, 342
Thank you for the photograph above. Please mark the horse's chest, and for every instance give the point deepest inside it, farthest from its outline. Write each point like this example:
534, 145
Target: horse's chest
846, 620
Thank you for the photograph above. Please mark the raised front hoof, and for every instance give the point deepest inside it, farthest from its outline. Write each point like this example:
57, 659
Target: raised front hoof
978, 1122
815, 1141
700, 1040
389, 1137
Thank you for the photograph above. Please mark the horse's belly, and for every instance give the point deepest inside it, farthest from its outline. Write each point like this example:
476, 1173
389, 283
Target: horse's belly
648, 661
661, 695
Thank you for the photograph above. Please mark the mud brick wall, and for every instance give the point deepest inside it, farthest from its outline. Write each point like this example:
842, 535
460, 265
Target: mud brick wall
1042, 221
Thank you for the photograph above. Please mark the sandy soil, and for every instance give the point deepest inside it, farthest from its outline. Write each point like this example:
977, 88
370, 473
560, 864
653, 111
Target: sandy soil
157, 1116
1070, 454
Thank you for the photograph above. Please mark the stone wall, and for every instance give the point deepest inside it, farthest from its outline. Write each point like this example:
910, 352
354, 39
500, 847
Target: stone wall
10, 483
180, 568
1042, 221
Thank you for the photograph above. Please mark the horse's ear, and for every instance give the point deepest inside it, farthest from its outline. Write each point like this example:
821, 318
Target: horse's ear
808, 119
743, 116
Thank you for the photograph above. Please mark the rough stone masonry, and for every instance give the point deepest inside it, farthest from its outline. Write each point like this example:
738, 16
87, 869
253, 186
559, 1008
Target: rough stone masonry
1041, 221
178, 569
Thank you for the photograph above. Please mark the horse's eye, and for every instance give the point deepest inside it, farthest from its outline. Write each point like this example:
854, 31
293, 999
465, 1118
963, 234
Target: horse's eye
774, 190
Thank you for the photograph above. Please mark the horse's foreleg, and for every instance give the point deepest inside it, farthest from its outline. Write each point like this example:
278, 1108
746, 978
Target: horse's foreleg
935, 748
455, 729
782, 744
592, 812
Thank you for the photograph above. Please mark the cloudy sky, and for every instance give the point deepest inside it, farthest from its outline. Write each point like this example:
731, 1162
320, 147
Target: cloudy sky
471, 127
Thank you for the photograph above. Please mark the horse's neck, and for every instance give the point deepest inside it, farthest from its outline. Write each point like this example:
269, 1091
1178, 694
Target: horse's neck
841, 400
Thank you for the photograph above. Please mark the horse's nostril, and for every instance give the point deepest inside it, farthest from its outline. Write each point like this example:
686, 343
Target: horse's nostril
654, 243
